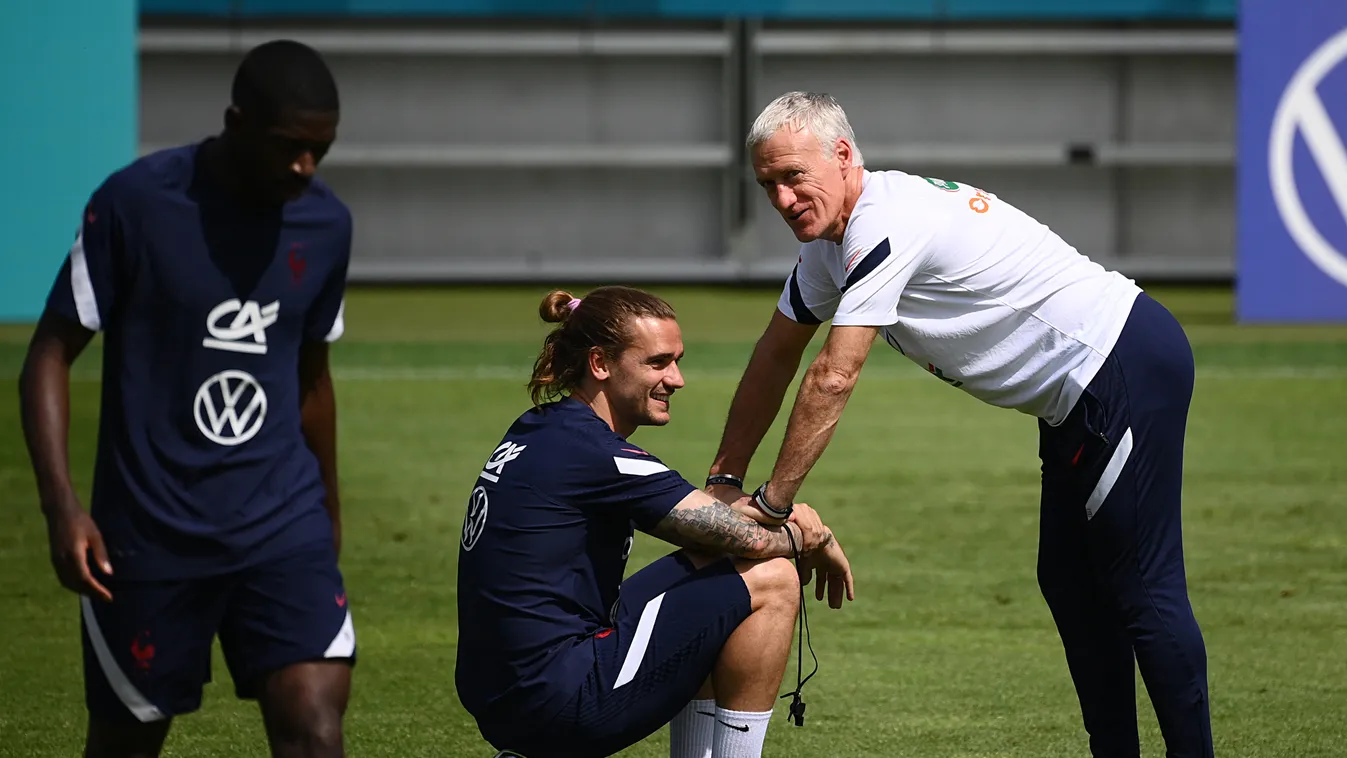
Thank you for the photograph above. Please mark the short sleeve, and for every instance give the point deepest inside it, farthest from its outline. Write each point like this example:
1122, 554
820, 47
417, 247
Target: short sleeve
326, 321
810, 295
878, 268
628, 480
85, 290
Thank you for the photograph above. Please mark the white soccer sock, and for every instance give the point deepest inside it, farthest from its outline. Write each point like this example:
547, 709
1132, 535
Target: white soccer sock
740, 734
691, 731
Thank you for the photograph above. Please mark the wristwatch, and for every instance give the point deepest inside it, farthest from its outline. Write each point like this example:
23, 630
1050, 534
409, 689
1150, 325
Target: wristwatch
760, 497
729, 479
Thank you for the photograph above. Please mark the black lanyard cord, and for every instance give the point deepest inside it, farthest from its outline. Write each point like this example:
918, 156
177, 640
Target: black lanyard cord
797, 705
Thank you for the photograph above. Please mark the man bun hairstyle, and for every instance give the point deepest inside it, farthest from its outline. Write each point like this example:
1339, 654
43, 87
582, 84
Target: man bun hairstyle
556, 306
601, 320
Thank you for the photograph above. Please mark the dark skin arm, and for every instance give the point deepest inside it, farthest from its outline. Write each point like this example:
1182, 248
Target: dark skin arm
318, 420
44, 397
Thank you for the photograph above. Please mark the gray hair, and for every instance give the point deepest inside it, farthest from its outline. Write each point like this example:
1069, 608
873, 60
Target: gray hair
817, 112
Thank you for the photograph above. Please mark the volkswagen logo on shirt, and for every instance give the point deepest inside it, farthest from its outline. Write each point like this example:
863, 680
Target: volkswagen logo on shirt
230, 407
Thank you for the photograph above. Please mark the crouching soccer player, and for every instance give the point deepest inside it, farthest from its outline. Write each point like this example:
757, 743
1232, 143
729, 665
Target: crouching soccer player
216, 271
553, 658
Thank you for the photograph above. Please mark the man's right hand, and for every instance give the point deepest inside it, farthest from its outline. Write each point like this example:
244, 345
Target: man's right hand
73, 535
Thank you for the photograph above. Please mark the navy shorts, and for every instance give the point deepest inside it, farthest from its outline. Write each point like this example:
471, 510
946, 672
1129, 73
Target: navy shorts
147, 654
671, 622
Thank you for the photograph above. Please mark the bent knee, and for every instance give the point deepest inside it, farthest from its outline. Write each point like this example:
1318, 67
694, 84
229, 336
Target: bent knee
771, 581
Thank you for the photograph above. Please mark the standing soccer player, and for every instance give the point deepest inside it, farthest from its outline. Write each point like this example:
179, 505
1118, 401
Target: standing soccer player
995, 304
216, 272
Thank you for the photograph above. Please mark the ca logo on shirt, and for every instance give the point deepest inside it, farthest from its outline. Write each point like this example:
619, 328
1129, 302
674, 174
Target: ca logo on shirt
502, 455
231, 406
241, 326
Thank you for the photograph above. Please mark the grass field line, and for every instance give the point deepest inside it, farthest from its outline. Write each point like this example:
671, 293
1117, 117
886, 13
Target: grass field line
521, 373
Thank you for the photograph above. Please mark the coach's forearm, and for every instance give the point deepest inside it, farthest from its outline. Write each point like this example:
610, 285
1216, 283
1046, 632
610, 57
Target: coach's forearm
44, 396
756, 403
822, 397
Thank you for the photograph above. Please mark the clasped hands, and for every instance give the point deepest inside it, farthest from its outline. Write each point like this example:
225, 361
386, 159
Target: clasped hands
819, 552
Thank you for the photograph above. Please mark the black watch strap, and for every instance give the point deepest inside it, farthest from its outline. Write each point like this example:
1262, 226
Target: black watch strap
729, 479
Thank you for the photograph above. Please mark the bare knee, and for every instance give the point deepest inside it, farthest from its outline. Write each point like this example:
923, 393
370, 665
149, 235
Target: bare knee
303, 711
772, 583
305, 729
110, 739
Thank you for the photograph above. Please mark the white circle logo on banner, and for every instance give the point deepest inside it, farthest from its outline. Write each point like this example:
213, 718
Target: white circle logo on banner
1301, 109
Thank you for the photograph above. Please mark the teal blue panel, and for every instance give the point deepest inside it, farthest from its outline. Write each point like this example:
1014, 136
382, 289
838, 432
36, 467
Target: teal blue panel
68, 71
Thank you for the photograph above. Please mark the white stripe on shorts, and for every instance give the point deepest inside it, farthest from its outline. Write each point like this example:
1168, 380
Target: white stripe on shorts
343, 645
644, 628
1110, 475
135, 702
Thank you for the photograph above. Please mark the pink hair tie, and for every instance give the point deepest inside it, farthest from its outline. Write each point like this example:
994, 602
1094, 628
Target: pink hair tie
574, 303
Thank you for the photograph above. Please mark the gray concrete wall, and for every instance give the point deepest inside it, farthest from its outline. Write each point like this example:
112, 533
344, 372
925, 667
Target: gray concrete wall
519, 153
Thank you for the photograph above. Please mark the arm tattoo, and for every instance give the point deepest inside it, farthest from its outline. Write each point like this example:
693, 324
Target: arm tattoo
718, 527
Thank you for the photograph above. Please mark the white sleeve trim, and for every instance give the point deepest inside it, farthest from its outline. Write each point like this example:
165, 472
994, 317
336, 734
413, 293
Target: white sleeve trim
338, 324
82, 286
636, 467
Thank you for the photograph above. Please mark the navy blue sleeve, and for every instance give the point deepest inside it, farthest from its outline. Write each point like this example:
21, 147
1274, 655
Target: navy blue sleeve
626, 479
85, 290
326, 320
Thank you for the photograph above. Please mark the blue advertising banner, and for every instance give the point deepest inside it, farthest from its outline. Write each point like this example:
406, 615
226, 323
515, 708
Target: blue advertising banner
1292, 261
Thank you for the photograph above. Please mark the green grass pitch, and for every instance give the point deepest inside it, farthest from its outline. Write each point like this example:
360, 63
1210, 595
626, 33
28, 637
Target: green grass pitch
949, 649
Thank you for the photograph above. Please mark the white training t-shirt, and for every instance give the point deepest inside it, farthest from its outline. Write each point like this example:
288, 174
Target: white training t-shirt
968, 287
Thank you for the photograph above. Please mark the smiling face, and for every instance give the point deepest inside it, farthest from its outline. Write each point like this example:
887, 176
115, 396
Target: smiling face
808, 184
640, 381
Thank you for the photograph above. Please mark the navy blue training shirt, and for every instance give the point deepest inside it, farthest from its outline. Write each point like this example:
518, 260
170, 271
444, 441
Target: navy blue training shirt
202, 466
549, 526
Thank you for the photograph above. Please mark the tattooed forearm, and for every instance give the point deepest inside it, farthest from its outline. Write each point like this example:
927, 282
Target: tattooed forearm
717, 527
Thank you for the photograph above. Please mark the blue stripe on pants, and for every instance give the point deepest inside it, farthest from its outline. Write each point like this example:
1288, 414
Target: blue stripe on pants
1110, 561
